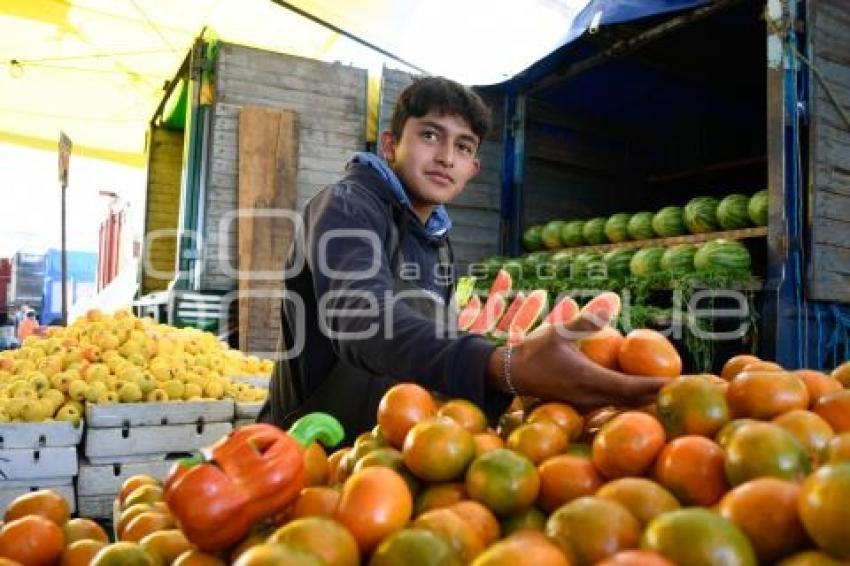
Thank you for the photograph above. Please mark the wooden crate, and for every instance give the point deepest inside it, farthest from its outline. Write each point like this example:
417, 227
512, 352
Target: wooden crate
99, 484
38, 463
10, 489
39, 435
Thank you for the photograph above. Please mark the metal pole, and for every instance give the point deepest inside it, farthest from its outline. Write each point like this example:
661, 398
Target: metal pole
64, 264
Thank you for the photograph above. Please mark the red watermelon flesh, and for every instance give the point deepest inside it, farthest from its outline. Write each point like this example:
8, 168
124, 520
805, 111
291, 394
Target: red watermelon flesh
529, 313
564, 312
469, 313
490, 314
502, 283
607, 302
505, 323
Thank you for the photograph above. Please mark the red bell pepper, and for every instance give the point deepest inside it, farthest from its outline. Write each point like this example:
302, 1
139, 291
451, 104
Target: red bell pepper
247, 476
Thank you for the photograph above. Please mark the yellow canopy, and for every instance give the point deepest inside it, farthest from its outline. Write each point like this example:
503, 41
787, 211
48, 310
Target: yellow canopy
95, 69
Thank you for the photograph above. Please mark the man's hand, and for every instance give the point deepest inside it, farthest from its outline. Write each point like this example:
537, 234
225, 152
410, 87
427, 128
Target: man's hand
548, 365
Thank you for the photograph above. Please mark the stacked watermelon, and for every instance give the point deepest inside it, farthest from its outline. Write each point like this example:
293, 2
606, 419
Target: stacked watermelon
733, 213
618, 262
617, 227
679, 258
757, 208
532, 239
669, 221
572, 233
551, 234
594, 231
701, 215
640, 226
722, 255
646, 262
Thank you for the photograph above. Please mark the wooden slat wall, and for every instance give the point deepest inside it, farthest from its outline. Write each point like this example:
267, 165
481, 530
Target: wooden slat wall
162, 207
829, 194
330, 100
475, 213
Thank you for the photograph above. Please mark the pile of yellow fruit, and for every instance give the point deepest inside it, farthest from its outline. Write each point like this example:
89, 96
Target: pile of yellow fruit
119, 358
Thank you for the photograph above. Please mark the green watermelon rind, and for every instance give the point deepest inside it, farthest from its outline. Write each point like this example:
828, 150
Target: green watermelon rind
723, 255
646, 262
551, 234
701, 215
532, 240
571, 233
669, 222
617, 227
757, 208
594, 231
679, 258
732, 212
640, 226
618, 262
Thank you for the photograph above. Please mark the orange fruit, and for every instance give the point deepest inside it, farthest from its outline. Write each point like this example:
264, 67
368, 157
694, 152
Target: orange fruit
198, 558
316, 467
835, 409
466, 414
166, 546
627, 445
525, 547
503, 480
566, 477
643, 498
562, 415
692, 468
698, 536
82, 529
809, 429
268, 554
438, 449
146, 523
594, 420
766, 394
842, 374
481, 519
486, 441
761, 365
735, 365
810, 558
725, 433
538, 441
648, 352
823, 508
401, 407
418, 547
315, 501
529, 519
374, 503
32, 540
129, 514
147, 493
460, 534
337, 466
80, 552
133, 482
603, 347
817, 383
321, 536
838, 448
44, 502
123, 554
439, 495
765, 449
636, 558
775, 533
257, 536
591, 529
391, 458
692, 405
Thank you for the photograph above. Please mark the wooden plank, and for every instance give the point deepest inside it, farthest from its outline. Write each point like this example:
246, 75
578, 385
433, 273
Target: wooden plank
39, 435
268, 169
150, 414
108, 445
831, 231
38, 463
280, 63
106, 479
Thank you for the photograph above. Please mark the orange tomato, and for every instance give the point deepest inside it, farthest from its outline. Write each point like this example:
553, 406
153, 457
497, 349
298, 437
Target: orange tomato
316, 467
466, 414
766, 394
338, 469
525, 547
529, 519
439, 495
735, 364
321, 536
838, 448
80, 552
165, 546
765, 449
538, 441
817, 383
481, 519
835, 409
562, 415
315, 501
592, 529
692, 404
146, 523
32, 540
438, 449
459, 533
268, 554
503, 480
401, 407
776, 533
44, 502
692, 468
627, 445
486, 441
603, 347
648, 352
810, 429
374, 503
636, 558
645, 499
197, 558
414, 546
133, 482
823, 508
842, 374
82, 529
564, 478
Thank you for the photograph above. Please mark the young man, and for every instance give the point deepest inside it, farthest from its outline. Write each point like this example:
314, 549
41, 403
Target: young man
369, 305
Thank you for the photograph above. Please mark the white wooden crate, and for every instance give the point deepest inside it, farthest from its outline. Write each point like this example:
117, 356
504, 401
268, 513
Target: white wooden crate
38, 463
151, 414
107, 479
142, 443
39, 435
248, 410
261, 381
95, 506
9, 490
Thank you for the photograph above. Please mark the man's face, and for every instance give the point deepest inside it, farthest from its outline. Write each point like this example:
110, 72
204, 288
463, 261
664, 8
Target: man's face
435, 157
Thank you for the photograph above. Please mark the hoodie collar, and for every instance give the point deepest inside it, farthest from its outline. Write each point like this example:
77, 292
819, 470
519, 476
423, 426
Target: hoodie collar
438, 223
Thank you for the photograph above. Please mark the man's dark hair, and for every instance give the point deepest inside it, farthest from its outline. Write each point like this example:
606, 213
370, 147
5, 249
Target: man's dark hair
441, 96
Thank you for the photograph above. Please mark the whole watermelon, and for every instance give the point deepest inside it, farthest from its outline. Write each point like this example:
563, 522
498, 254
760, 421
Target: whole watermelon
618, 262
587, 264
679, 258
551, 234
757, 208
732, 212
571, 233
701, 215
669, 221
640, 226
562, 261
532, 239
617, 227
722, 255
594, 231
646, 262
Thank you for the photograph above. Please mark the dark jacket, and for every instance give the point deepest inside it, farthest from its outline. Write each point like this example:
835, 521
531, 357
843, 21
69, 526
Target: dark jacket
346, 376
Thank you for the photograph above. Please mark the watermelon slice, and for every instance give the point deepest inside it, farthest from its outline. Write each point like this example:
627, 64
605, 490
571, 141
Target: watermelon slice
505, 323
490, 314
469, 313
527, 315
564, 312
607, 302
501, 284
